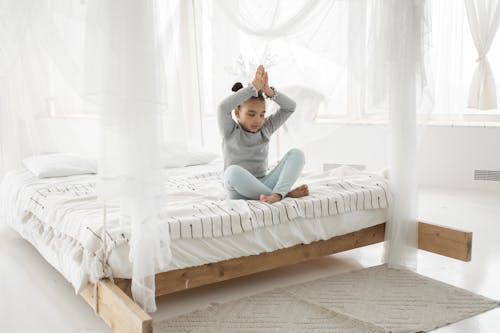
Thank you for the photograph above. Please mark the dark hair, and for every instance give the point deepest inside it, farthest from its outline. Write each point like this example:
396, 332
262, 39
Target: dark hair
237, 86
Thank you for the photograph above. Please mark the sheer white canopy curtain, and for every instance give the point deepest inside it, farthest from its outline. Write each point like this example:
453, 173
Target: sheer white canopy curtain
483, 17
398, 80
124, 79
366, 57
303, 45
119, 70
24, 83
145, 67
179, 37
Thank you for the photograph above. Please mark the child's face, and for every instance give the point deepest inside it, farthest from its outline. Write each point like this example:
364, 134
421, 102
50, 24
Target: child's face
251, 115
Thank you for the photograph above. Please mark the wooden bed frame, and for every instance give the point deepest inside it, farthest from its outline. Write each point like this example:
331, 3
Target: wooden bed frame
116, 307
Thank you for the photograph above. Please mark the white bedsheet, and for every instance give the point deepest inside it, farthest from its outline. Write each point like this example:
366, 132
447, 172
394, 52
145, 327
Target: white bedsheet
195, 252
63, 220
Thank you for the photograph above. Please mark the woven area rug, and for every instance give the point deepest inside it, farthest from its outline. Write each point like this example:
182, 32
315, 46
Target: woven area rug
376, 299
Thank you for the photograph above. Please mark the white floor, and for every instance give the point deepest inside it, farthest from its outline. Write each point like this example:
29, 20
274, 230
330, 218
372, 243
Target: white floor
36, 298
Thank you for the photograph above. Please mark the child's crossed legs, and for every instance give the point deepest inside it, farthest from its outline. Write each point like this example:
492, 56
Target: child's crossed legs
274, 186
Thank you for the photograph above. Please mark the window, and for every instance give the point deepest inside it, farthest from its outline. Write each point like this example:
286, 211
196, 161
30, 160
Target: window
453, 61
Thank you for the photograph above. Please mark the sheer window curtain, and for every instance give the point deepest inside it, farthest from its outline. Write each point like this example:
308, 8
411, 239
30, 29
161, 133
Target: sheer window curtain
484, 18
448, 58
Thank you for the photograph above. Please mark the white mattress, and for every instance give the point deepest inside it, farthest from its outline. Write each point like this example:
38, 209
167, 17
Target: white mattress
195, 252
62, 218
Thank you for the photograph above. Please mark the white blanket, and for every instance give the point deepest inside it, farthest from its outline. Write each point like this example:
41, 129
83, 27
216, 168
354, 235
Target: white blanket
63, 213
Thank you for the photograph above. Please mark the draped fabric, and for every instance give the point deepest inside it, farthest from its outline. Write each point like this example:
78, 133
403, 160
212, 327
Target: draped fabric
448, 58
484, 18
144, 67
124, 79
179, 40
370, 62
273, 23
303, 45
74, 56
41, 72
23, 81
398, 64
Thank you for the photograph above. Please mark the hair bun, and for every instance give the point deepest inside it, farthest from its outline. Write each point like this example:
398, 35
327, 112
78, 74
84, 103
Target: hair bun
237, 86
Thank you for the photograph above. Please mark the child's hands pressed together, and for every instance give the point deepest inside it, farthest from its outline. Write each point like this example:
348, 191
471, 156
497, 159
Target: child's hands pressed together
261, 81
267, 89
260, 78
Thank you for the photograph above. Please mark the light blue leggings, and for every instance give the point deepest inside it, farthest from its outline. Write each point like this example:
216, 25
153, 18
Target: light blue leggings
241, 184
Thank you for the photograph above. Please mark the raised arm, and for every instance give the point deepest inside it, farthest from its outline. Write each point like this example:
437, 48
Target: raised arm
286, 108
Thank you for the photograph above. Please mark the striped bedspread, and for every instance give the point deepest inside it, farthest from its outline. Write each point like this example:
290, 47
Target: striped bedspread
195, 203
330, 195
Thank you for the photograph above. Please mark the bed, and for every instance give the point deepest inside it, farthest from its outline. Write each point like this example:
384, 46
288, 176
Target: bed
212, 238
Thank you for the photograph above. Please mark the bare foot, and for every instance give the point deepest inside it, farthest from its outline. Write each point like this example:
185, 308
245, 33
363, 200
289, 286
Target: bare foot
299, 192
275, 197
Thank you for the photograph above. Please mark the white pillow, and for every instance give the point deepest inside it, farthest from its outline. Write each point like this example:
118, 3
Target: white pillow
200, 157
59, 165
175, 157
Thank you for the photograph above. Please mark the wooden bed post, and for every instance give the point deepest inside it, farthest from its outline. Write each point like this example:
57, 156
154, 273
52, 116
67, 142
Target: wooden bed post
446, 241
117, 309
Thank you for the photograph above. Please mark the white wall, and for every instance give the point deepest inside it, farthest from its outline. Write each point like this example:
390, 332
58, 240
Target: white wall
448, 155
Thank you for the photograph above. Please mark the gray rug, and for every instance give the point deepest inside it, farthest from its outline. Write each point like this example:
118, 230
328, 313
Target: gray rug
376, 299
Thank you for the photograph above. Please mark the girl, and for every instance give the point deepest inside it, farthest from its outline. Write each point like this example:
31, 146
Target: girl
245, 144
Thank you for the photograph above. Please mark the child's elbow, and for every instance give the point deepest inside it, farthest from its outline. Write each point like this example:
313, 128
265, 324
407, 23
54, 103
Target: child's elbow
223, 107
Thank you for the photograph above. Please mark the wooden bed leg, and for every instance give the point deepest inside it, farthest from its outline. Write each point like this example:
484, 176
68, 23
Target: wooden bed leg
117, 309
446, 241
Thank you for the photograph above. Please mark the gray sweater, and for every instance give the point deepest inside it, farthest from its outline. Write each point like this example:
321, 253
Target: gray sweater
246, 149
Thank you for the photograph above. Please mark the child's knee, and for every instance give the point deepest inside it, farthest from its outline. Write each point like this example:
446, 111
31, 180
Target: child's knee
297, 154
231, 175
232, 172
